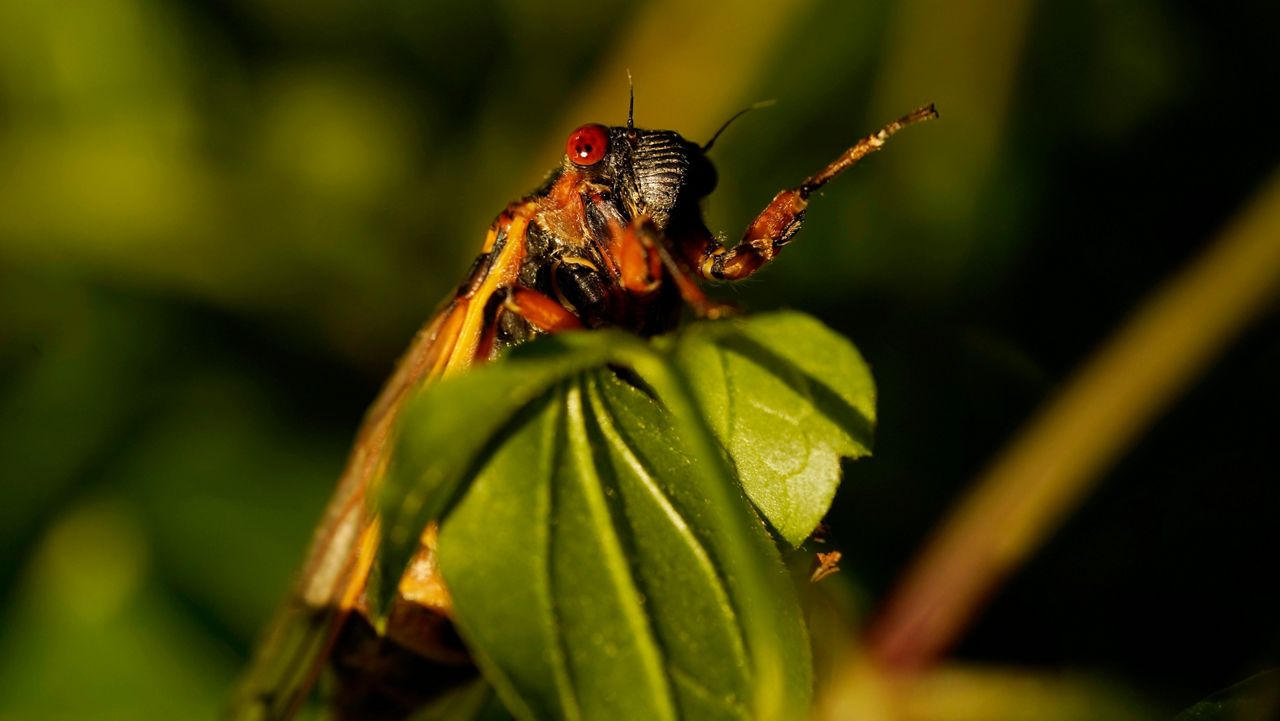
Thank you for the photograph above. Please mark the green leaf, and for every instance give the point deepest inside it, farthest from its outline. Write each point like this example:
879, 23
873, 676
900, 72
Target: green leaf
598, 571
446, 428
712, 506
787, 398
1254, 699
602, 555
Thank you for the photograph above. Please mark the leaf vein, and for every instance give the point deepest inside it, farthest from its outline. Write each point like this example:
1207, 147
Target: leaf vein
684, 530
565, 687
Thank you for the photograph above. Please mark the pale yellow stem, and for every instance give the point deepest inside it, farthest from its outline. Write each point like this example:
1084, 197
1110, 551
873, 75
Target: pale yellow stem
1041, 477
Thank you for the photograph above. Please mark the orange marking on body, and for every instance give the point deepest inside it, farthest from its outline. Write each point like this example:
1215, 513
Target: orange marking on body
421, 582
505, 270
502, 221
606, 255
565, 190
448, 339
772, 224
562, 211
490, 239
613, 251
690, 291
544, 313
488, 342
363, 563
655, 265
639, 266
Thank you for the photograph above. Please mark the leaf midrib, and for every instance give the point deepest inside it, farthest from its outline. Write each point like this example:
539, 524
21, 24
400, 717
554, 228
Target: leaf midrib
612, 552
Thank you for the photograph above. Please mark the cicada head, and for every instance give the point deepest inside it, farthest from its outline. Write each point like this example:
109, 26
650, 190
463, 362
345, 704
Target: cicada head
655, 173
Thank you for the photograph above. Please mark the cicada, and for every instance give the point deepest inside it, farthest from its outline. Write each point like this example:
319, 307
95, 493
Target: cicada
613, 238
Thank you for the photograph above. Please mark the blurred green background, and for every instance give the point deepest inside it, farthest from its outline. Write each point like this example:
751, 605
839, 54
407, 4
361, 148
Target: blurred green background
221, 221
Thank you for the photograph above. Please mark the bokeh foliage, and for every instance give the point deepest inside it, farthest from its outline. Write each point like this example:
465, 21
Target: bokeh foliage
219, 222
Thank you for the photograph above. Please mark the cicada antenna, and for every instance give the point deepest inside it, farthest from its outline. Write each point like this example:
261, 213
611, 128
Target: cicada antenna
631, 105
739, 114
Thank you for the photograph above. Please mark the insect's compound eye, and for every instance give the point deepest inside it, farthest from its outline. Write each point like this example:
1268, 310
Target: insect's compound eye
588, 144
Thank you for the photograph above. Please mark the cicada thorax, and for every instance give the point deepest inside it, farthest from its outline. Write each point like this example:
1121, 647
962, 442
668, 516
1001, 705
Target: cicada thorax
580, 251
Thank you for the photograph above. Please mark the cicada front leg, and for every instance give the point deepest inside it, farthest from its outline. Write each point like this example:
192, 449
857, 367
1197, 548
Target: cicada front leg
781, 219
642, 245
542, 313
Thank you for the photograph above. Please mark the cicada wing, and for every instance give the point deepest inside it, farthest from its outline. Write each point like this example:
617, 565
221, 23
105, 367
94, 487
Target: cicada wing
285, 665
299, 639
292, 652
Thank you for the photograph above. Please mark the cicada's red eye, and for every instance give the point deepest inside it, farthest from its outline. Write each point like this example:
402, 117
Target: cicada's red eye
588, 144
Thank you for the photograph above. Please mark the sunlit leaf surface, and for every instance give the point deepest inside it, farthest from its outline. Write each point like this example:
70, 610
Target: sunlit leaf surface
787, 398
601, 551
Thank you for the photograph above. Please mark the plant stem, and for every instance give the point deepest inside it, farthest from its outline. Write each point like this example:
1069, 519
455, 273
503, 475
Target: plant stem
1165, 346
